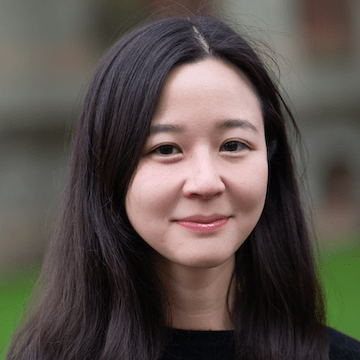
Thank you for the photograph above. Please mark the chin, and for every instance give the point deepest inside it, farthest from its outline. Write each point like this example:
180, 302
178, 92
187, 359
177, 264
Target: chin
206, 263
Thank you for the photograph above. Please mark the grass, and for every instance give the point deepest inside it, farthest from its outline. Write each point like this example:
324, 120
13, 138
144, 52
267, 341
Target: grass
340, 273
15, 287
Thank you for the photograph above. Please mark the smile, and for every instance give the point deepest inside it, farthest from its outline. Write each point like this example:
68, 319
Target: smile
204, 224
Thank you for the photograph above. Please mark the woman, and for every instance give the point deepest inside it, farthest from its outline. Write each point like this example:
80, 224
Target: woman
181, 214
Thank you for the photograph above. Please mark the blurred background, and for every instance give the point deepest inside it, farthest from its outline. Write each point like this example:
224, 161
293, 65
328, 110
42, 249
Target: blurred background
48, 51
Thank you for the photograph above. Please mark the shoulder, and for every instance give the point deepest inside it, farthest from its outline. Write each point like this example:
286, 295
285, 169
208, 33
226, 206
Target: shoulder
343, 347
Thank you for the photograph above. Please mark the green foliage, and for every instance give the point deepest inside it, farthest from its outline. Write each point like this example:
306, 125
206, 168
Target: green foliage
15, 289
340, 273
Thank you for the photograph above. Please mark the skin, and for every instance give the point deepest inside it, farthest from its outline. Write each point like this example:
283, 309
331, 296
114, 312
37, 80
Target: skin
205, 156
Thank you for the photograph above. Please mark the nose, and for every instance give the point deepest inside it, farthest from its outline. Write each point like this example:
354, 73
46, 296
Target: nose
203, 178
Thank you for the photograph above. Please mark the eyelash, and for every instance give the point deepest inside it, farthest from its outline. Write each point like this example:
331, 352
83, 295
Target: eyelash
164, 146
239, 146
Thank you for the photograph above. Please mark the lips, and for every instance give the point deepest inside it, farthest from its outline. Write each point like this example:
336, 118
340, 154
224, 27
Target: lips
204, 224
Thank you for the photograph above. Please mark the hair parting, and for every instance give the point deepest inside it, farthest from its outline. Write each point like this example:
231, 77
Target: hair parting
203, 42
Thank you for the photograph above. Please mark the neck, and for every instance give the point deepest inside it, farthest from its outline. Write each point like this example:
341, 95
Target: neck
198, 296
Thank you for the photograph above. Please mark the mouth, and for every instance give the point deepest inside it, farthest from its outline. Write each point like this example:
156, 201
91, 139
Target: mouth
204, 224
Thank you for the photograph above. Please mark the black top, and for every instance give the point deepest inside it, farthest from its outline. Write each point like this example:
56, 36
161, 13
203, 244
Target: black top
217, 345
343, 347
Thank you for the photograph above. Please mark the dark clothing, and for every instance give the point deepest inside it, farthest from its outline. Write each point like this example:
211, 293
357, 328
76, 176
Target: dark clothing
343, 347
199, 345
218, 345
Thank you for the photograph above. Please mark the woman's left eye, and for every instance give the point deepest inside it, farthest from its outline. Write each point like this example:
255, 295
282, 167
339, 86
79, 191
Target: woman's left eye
233, 145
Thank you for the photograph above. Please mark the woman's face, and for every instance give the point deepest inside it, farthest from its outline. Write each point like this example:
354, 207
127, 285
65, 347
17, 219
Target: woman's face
200, 186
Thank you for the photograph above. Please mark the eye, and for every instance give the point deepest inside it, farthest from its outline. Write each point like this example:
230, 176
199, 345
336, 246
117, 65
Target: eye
233, 145
166, 149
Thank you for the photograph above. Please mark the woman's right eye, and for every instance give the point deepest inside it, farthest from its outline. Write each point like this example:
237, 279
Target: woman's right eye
166, 150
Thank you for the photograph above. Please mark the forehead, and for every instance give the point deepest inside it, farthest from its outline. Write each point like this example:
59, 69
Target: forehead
209, 88
209, 72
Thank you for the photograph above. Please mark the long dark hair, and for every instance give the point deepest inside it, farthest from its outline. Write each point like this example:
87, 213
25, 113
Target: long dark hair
102, 298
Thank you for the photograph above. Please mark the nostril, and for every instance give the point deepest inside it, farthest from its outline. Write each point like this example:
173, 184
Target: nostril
204, 197
208, 197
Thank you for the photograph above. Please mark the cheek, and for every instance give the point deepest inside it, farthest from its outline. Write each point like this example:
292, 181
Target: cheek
148, 204
137, 198
149, 193
251, 186
138, 203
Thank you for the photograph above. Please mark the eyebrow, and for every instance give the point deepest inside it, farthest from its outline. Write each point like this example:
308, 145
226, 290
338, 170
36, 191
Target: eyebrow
165, 128
228, 124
